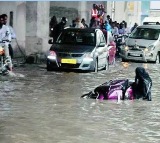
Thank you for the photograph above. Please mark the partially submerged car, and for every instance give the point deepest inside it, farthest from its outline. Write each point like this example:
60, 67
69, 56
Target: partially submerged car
77, 48
143, 44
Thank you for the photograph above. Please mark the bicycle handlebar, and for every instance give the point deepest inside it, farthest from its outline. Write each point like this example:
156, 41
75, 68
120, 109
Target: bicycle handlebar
3, 41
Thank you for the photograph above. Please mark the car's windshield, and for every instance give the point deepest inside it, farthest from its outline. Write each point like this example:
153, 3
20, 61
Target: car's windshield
77, 37
145, 33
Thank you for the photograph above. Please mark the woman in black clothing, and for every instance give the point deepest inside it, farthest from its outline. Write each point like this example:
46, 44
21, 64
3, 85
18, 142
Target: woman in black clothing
142, 85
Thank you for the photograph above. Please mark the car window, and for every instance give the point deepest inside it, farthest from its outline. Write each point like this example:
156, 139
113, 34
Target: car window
145, 33
77, 37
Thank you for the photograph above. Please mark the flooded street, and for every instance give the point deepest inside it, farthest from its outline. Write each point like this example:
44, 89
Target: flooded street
37, 106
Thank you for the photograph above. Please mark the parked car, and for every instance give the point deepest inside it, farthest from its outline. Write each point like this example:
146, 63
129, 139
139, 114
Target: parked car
143, 44
78, 48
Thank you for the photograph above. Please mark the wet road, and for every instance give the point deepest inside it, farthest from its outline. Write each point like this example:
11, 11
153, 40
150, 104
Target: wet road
37, 106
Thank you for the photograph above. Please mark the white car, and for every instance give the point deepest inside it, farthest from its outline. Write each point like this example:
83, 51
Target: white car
143, 44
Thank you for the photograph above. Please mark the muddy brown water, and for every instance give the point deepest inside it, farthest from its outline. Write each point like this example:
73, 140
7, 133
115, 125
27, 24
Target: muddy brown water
37, 106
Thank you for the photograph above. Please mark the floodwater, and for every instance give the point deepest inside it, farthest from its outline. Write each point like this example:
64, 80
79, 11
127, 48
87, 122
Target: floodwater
37, 106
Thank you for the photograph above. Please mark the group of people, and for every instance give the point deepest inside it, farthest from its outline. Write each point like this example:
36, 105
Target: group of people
97, 13
6, 36
112, 27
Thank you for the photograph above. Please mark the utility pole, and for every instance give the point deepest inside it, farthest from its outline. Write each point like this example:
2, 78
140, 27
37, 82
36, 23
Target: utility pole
113, 10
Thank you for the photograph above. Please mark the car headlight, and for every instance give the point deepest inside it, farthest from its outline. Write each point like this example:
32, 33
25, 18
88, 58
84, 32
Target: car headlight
126, 48
88, 57
146, 50
51, 55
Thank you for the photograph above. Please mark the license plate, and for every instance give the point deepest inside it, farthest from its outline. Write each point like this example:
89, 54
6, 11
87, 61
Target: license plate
135, 54
68, 61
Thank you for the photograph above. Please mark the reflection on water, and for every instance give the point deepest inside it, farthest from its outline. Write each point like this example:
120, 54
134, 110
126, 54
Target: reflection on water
45, 107
145, 66
125, 64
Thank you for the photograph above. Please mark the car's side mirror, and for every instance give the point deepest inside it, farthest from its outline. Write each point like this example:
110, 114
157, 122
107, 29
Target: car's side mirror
50, 41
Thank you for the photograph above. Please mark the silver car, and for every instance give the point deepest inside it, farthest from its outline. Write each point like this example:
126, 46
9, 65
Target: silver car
77, 48
143, 44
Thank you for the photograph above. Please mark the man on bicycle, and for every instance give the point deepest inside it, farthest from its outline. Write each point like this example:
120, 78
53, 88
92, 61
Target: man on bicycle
13, 35
5, 38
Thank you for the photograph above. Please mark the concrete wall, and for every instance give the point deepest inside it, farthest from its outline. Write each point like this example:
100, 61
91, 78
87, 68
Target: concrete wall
64, 9
37, 27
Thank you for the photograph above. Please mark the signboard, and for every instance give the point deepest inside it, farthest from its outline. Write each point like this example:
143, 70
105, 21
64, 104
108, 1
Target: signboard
131, 6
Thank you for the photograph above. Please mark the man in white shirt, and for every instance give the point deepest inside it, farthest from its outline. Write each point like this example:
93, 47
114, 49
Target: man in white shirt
13, 35
5, 38
114, 29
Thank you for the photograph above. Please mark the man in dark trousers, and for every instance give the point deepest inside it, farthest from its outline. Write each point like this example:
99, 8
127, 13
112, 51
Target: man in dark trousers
58, 28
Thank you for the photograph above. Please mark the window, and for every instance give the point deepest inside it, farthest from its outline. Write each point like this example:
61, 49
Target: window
76, 37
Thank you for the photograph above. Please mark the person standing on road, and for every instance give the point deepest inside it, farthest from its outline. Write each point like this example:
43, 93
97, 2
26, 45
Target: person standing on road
73, 23
108, 26
59, 28
142, 85
134, 27
13, 35
94, 11
78, 23
114, 29
52, 24
84, 23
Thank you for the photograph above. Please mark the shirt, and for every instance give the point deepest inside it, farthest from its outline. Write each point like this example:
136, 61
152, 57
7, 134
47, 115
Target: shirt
79, 25
121, 31
13, 35
115, 31
5, 33
108, 27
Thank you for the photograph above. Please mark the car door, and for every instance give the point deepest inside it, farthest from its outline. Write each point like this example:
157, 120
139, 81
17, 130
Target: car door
101, 49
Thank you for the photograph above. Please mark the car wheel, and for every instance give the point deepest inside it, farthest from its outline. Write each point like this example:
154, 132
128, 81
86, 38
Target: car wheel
107, 64
96, 66
157, 58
